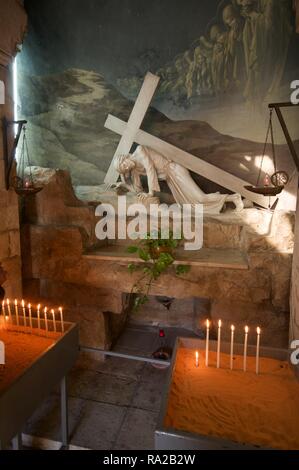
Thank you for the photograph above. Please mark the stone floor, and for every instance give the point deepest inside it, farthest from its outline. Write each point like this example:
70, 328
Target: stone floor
112, 404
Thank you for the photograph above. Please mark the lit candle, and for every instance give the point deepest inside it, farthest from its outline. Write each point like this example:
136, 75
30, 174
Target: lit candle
207, 343
30, 316
17, 311
245, 349
9, 310
258, 330
38, 316
196, 359
61, 319
232, 347
54, 320
24, 313
3, 311
46, 319
218, 343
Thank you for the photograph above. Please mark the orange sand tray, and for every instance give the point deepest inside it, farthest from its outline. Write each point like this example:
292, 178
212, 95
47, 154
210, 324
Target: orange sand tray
21, 350
261, 410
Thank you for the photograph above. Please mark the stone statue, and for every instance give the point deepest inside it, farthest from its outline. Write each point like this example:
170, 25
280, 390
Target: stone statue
148, 162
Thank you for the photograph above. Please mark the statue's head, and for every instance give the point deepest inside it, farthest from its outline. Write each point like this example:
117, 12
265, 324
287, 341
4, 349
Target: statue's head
3, 275
124, 164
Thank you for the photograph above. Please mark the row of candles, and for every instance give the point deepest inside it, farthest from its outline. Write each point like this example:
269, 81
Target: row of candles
246, 330
18, 309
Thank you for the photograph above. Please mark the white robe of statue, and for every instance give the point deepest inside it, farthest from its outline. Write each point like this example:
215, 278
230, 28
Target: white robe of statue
147, 162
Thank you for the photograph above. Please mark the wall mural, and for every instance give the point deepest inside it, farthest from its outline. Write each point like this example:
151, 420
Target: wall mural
220, 63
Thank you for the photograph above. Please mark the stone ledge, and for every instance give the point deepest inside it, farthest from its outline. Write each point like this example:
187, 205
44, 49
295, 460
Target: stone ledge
206, 257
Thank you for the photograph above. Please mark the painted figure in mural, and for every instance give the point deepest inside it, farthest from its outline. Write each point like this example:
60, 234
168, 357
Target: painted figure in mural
180, 88
219, 39
146, 161
235, 59
266, 38
203, 67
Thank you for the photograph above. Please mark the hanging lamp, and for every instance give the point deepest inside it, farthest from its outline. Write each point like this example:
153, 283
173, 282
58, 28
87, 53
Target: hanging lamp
275, 184
23, 183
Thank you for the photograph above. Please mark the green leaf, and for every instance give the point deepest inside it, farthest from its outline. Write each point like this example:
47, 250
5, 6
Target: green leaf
182, 269
132, 249
143, 255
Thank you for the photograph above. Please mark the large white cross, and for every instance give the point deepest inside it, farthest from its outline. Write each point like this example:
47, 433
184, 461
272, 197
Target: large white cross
131, 133
138, 113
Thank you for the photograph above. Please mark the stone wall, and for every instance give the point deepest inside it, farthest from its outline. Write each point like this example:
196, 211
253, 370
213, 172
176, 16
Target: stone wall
58, 237
10, 255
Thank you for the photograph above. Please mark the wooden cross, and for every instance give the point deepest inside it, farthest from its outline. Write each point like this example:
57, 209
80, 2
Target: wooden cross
131, 133
139, 111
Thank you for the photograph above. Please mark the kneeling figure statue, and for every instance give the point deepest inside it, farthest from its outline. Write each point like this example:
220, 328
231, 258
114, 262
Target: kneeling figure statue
147, 162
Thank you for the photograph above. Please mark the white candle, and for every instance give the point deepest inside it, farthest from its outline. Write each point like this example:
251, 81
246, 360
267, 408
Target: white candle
3, 311
258, 330
17, 311
24, 313
218, 343
61, 319
54, 320
232, 347
196, 359
30, 316
207, 343
46, 319
9, 310
245, 349
38, 316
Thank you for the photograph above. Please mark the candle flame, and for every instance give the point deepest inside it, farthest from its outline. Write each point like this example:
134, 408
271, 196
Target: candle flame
220, 323
38, 307
208, 324
23, 303
29, 305
246, 329
196, 355
16, 302
258, 330
233, 328
7, 301
52, 311
60, 309
45, 309
7, 318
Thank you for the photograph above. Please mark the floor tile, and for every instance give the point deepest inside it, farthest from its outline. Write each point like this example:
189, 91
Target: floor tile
138, 431
93, 385
148, 395
111, 365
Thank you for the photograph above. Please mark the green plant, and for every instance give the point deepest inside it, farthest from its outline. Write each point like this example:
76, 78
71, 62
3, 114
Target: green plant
158, 255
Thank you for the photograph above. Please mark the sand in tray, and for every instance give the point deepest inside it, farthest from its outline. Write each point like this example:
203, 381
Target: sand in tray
261, 410
21, 350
